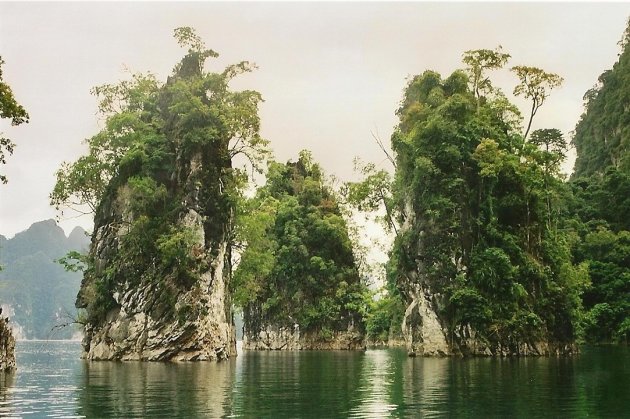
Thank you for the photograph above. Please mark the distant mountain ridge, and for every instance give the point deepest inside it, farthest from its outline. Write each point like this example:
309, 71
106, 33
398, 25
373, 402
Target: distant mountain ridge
35, 291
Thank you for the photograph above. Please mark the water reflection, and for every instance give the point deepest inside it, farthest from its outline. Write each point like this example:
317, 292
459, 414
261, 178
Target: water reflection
374, 393
424, 381
52, 381
304, 384
137, 389
7, 381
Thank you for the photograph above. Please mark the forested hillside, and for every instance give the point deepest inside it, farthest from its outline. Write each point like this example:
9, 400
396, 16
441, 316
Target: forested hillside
35, 290
600, 204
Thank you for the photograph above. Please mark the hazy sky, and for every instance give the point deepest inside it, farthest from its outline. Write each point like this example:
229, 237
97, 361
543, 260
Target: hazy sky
330, 73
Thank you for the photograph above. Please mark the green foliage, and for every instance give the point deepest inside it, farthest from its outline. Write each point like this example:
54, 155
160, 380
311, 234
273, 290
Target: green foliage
599, 202
535, 85
297, 264
9, 109
73, 261
478, 62
606, 301
385, 317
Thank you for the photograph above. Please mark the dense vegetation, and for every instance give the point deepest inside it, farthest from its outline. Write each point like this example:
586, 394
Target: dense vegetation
479, 204
166, 149
298, 265
600, 201
35, 291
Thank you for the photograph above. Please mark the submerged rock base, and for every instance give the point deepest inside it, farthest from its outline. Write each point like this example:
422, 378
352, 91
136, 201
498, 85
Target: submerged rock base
193, 324
425, 335
284, 338
7, 346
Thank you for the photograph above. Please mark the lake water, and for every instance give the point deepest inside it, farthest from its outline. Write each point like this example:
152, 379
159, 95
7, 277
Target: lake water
52, 381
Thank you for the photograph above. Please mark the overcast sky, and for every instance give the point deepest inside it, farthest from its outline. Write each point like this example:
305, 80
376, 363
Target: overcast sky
330, 73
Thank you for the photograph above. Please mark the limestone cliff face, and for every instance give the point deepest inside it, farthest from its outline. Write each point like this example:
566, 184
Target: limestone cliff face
7, 346
156, 284
262, 336
160, 315
425, 325
421, 327
426, 335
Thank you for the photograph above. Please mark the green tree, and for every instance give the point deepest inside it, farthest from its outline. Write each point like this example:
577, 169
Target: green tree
478, 62
9, 109
535, 84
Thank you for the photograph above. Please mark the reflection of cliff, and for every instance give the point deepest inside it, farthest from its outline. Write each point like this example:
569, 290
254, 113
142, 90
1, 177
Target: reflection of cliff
293, 384
7, 380
376, 384
425, 385
140, 389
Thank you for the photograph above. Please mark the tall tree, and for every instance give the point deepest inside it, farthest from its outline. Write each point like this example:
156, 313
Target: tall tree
535, 84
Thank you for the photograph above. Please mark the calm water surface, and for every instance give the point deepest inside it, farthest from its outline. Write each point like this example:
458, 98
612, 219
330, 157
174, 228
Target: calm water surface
52, 381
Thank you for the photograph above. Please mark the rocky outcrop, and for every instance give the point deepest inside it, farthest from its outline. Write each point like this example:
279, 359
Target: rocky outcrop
7, 346
260, 333
425, 325
423, 333
289, 338
157, 282
159, 321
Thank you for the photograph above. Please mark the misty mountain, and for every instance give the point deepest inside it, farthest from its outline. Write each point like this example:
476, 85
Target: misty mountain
35, 291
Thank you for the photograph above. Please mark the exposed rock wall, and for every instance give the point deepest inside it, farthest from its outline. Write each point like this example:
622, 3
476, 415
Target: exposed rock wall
426, 335
421, 328
425, 327
138, 328
286, 338
7, 346
259, 334
161, 317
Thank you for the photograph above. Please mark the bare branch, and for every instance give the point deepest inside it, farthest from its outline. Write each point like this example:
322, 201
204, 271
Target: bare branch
382, 146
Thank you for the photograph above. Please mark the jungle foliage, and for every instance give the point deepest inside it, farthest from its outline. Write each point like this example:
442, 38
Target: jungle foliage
297, 265
12, 110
